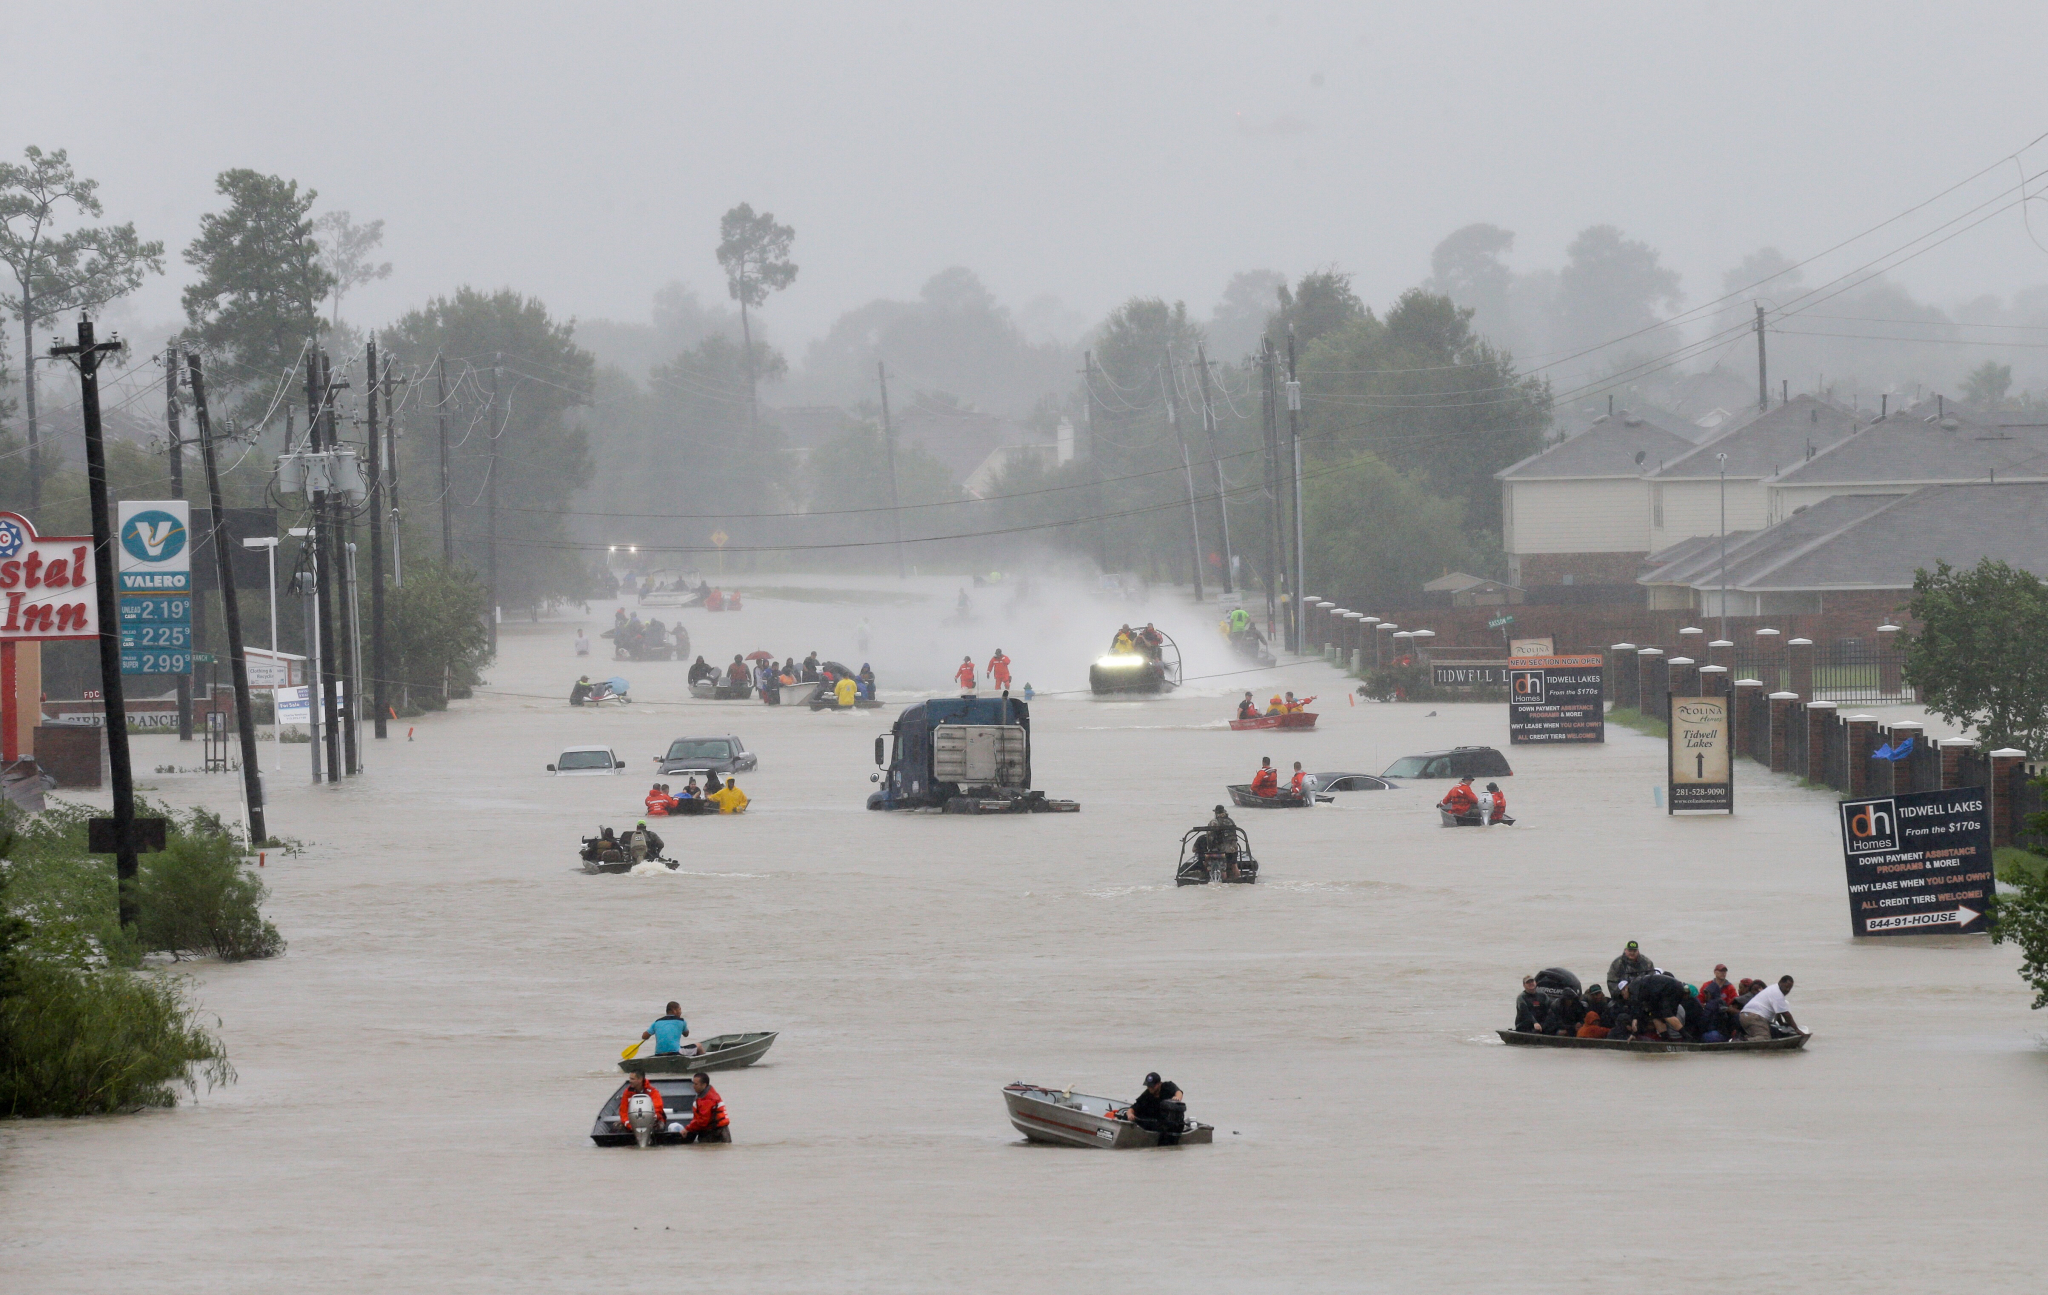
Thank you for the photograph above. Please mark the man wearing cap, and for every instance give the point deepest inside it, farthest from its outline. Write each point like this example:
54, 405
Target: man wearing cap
1719, 985
1532, 1009
1633, 962
1145, 1106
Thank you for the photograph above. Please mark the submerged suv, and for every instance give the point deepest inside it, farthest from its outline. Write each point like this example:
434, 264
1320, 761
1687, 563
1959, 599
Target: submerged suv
1458, 762
707, 754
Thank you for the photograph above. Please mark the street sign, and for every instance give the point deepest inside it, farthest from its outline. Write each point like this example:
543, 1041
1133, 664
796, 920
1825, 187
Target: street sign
1499, 621
719, 538
202, 658
1919, 863
153, 553
1556, 699
1700, 744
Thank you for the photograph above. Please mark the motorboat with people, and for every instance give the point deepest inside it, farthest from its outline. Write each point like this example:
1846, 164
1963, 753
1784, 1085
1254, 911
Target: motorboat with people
1790, 1041
672, 588
613, 852
1244, 638
720, 1052
733, 683
1653, 1010
1245, 797
1216, 853
1143, 660
1281, 712
1064, 1117
1466, 806
826, 695
648, 641
631, 1117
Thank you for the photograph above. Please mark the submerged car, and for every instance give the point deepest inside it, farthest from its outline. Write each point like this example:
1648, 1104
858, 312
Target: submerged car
1353, 782
586, 761
707, 755
1458, 762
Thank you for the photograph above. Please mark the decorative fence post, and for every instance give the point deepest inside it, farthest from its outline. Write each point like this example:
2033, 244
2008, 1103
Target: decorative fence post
1783, 708
1891, 661
1862, 741
1621, 673
1742, 712
1649, 680
1820, 717
1680, 680
1905, 773
2005, 763
1714, 681
1799, 655
1383, 643
1952, 752
1769, 656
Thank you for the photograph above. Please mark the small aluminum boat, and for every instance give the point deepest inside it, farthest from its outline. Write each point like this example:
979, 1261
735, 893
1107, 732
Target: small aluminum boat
1299, 719
1783, 1043
677, 1097
1075, 1119
722, 1052
1241, 795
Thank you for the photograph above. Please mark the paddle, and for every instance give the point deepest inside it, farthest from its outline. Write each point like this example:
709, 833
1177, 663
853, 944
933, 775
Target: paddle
627, 1055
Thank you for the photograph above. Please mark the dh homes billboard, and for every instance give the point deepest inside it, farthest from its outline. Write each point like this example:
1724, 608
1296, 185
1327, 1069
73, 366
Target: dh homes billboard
1919, 862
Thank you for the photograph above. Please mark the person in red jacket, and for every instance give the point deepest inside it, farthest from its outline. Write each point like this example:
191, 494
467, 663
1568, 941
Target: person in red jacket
708, 1122
659, 802
1266, 782
1299, 784
998, 670
1461, 799
964, 676
634, 1087
1497, 805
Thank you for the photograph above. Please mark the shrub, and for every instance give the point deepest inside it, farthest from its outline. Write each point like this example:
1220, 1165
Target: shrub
196, 897
90, 1043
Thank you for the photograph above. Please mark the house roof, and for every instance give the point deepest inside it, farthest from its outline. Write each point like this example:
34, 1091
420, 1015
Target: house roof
1607, 449
1875, 541
1459, 581
1914, 450
1768, 443
1661, 567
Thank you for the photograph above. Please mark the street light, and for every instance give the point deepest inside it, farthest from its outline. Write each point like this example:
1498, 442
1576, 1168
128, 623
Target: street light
1724, 543
269, 546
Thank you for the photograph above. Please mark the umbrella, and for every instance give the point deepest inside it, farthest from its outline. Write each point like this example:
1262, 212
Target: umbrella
758, 655
619, 685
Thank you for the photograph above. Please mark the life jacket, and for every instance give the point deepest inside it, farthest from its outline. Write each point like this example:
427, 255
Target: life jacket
1460, 800
625, 1102
1265, 782
658, 802
708, 1113
1294, 785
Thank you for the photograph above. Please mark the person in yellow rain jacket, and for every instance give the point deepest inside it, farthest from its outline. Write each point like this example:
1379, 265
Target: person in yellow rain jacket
730, 799
1274, 706
844, 691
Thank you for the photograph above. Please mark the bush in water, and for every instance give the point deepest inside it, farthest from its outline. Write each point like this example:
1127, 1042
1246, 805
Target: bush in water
88, 1043
196, 897
2023, 918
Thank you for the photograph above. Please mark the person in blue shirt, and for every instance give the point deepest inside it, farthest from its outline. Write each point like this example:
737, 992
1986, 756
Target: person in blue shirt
669, 1032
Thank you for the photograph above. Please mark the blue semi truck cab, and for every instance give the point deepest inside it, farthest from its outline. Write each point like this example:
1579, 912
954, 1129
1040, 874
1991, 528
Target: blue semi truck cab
961, 755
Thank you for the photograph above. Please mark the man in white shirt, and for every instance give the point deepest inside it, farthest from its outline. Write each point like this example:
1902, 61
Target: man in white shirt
1768, 1004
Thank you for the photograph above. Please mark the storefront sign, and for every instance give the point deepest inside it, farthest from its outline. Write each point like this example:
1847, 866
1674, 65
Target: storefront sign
1701, 749
1919, 863
1556, 699
46, 584
153, 552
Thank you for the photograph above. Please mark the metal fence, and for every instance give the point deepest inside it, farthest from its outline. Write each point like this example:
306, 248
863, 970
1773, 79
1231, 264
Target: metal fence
1858, 670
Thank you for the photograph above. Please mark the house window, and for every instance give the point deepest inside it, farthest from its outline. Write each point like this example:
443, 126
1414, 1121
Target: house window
1657, 507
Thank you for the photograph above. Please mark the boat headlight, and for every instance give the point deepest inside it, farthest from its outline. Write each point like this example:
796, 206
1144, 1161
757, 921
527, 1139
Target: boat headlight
1121, 661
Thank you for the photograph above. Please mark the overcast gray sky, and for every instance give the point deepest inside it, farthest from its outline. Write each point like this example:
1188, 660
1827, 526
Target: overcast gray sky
584, 152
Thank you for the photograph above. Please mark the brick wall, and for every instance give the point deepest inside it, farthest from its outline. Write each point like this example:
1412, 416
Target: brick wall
1583, 568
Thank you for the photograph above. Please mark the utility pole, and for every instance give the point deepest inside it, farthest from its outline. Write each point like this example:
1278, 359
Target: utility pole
1095, 421
391, 470
441, 410
86, 356
323, 566
889, 451
491, 526
1723, 458
231, 612
1300, 615
1763, 377
177, 448
1273, 545
376, 550
1166, 392
1216, 462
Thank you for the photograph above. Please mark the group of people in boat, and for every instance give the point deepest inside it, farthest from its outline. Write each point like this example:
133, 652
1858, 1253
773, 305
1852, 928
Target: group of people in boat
712, 798
1642, 1001
1148, 642
633, 637
1220, 837
768, 679
1266, 782
998, 671
1275, 705
637, 846
1474, 807
1244, 636
708, 1121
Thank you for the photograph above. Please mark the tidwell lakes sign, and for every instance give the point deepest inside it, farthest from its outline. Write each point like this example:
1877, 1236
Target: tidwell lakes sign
1919, 863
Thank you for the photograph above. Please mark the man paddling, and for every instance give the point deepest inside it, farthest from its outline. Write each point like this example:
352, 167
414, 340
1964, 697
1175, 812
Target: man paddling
668, 1031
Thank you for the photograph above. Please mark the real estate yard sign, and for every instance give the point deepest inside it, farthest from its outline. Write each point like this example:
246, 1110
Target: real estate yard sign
1702, 768
1919, 863
1556, 699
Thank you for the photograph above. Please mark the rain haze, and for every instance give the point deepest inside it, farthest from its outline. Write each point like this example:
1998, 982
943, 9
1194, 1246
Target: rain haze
993, 434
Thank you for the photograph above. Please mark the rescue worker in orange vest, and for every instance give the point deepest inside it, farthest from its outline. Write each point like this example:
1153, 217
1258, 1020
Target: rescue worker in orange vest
1461, 799
1266, 782
1499, 812
659, 802
965, 674
708, 1120
635, 1086
1151, 642
1296, 707
999, 670
1299, 784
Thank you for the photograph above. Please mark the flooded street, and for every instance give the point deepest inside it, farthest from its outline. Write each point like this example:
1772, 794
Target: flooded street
419, 1073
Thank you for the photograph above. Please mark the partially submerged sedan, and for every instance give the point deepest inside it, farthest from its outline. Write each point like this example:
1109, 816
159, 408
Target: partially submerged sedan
1353, 782
707, 755
587, 762
1458, 762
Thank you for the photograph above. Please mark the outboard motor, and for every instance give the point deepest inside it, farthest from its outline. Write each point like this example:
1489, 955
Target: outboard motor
640, 1114
1173, 1121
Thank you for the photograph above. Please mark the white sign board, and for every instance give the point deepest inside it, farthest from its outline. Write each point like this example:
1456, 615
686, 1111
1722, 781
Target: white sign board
292, 704
153, 547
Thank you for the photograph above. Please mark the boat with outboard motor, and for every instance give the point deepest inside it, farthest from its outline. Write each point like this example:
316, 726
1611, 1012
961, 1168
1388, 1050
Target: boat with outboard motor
720, 1052
677, 1097
1067, 1118
1785, 1042
1204, 859
1242, 795
1292, 719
